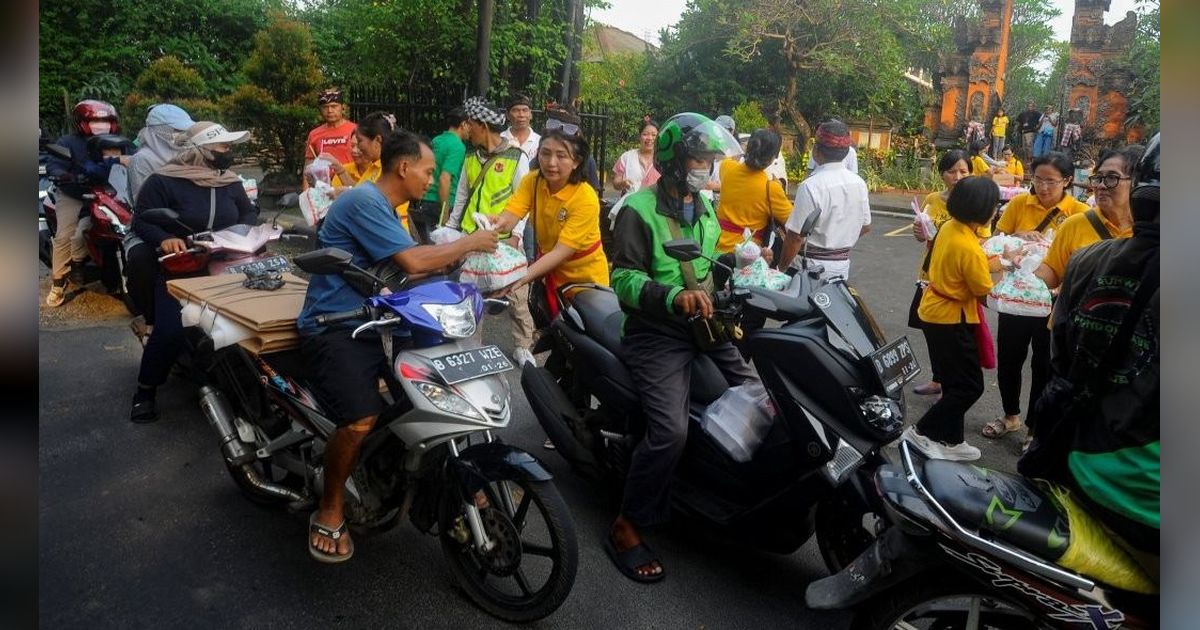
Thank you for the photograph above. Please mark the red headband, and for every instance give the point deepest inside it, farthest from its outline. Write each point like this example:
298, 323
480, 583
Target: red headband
827, 139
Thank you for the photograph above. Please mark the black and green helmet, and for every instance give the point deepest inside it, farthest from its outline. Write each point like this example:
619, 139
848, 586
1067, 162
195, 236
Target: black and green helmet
690, 135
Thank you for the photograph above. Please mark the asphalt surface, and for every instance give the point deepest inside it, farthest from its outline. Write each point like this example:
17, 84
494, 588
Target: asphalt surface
140, 526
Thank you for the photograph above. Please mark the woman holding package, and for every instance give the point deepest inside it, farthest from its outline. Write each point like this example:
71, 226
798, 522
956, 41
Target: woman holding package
750, 199
1030, 217
368, 137
954, 166
565, 214
950, 314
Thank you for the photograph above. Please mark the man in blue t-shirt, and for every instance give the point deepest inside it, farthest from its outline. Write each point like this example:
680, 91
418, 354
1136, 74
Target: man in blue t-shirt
346, 372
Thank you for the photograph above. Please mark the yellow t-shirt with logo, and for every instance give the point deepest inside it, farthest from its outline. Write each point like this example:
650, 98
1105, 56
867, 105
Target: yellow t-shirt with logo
979, 166
999, 126
1076, 233
1015, 167
958, 277
569, 217
1024, 213
748, 199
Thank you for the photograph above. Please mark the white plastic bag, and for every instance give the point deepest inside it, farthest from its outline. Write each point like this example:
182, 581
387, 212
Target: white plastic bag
444, 235
740, 420
314, 204
318, 171
747, 251
495, 270
925, 227
1020, 292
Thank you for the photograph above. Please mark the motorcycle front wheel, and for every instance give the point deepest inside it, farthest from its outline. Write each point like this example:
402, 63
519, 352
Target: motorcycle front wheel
529, 570
942, 600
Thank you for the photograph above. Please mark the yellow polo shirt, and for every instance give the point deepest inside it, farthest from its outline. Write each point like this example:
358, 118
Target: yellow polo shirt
979, 166
748, 199
999, 126
1015, 167
1075, 234
371, 174
935, 207
958, 277
571, 217
352, 170
1024, 213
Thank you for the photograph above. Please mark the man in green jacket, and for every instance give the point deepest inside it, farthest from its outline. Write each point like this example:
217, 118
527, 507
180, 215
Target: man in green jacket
665, 302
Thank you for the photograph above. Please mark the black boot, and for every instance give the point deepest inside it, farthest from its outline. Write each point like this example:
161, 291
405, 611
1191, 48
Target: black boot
144, 409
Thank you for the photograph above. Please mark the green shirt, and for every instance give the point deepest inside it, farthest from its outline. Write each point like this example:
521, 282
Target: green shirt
448, 154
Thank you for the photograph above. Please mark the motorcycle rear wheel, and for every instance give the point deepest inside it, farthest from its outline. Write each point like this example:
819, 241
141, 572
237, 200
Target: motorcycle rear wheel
498, 581
942, 600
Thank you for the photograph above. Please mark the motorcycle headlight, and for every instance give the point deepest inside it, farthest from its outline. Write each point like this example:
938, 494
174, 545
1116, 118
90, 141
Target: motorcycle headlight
448, 401
457, 320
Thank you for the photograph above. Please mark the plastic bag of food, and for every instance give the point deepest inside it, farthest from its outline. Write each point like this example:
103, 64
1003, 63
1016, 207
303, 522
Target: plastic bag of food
494, 270
747, 251
314, 204
1020, 292
925, 227
444, 235
760, 275
318, 172
740, 420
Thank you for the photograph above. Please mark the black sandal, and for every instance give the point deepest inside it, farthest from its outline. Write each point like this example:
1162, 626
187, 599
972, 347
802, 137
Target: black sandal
629, 560
334, 534
144, 412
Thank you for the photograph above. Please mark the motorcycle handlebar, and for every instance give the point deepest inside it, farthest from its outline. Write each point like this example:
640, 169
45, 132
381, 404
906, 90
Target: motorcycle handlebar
190, 250
345, 316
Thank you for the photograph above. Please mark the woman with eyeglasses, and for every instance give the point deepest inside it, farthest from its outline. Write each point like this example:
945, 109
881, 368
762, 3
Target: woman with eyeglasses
1030, 216
1112, 217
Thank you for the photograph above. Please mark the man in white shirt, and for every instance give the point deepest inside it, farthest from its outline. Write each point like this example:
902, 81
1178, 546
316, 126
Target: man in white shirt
841, 198
520, 132
851, 161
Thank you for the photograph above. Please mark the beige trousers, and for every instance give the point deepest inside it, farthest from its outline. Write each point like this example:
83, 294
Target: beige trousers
522, 320
67, 246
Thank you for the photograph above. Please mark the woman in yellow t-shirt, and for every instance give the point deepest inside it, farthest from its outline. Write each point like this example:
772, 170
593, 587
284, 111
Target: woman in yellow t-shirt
1112, 184
1012, 165
372, 129
749, 197
348, 174
565, 213
979, 165
953, 166
999, 131
950, 315
1030, 216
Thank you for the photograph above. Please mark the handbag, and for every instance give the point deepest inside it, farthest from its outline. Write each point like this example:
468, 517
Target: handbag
984, 341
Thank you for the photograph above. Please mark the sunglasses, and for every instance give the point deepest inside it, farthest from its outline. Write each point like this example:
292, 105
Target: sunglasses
1108, 180
570, 129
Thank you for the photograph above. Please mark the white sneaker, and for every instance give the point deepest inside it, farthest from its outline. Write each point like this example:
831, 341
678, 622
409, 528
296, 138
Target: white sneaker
523, 357
933, 449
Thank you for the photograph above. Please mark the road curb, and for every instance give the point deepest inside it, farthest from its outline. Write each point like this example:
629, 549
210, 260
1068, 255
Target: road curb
895, 215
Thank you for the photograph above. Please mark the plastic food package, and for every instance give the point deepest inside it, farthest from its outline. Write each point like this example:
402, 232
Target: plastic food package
314, 204
318, 172
740, 420
759, 274
747, 251
493, 271
1020, 292
444, 235
925, 227
251, 186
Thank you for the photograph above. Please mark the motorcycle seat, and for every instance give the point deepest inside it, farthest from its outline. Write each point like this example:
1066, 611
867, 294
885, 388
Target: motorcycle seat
1009, 507
603, 320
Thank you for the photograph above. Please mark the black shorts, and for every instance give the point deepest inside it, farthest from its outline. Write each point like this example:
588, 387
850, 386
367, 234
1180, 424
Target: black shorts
345, 373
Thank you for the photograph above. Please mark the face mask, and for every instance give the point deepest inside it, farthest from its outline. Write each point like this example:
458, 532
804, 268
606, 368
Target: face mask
100, 127
220, 160
697, 178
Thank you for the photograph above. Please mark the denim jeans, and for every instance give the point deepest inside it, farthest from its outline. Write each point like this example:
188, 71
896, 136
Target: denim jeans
1042, 144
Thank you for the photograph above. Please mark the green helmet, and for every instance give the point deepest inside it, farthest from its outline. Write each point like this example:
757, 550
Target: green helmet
690, 135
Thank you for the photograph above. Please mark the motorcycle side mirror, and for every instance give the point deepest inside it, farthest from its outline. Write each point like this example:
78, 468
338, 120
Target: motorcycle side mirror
290, 200
683, 249
329, 260
59, 150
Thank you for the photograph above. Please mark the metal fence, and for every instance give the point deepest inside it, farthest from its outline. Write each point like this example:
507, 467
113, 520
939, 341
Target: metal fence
425, 113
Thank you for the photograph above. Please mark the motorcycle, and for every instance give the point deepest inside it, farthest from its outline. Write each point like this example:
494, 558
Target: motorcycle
976, 548
433, 456
104, 222
834, 380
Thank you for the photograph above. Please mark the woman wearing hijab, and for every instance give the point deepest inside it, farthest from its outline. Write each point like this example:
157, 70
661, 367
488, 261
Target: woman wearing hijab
199, 186
156, 143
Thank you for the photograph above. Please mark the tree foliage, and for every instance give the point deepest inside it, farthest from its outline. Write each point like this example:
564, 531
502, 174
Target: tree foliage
1143, 60
167, 80
279, 103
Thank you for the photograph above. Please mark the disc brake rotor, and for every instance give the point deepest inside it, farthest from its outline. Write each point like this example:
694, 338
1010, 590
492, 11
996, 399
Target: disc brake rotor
505, 557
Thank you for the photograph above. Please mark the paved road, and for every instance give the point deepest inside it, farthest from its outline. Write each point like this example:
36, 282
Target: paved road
141, 527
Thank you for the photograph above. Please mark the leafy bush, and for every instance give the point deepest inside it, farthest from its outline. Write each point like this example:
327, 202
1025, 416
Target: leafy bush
279, 103
616, 85
167, 80
749, 116
898, 167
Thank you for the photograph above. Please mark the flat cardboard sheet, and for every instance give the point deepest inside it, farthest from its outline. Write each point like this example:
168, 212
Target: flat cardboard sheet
261, 321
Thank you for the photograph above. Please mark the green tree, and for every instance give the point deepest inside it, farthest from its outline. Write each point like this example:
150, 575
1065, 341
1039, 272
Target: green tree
279, 102
167, 80
1143, 61
748, 116
97, 48
618, 87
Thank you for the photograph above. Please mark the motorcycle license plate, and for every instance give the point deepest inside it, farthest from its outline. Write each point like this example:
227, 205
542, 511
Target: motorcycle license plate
468, 364
274, 263
895, 364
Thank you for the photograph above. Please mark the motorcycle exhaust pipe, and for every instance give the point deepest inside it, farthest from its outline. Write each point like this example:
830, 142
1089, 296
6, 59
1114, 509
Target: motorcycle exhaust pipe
220, 417
239, 458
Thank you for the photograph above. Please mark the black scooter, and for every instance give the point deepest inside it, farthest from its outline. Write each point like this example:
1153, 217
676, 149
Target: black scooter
835, 381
